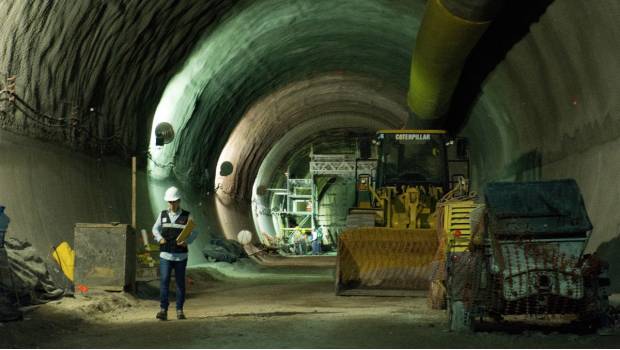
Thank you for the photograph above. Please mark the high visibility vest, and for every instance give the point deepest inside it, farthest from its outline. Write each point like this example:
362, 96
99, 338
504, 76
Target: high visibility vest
171, 230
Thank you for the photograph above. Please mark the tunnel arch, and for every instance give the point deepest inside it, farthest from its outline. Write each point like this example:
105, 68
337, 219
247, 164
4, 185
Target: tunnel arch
208, 96
272, 166
321, 103
296, 115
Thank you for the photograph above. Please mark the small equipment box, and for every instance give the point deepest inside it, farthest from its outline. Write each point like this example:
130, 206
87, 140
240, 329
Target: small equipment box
105, 256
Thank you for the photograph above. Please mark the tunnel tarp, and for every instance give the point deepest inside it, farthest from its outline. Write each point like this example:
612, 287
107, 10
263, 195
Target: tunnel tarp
27, 277
538, 207
223, 250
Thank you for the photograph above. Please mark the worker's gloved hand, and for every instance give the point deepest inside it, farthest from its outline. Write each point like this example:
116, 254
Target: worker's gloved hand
162, 241
182, 244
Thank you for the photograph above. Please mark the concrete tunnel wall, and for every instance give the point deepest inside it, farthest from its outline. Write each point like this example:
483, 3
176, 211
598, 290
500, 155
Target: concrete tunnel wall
48, 188
549, 110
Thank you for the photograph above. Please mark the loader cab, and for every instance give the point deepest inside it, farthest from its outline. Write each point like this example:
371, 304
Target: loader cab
412, 157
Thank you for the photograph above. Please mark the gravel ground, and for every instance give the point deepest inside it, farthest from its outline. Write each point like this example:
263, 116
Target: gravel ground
285, 308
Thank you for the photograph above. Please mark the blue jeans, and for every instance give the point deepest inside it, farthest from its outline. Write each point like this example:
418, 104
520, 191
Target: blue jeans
165, 269
316, 247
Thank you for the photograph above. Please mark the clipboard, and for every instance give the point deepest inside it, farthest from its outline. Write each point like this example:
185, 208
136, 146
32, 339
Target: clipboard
186, 231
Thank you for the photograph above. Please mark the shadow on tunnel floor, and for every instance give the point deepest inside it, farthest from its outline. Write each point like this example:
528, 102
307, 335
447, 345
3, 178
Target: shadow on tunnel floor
527, 326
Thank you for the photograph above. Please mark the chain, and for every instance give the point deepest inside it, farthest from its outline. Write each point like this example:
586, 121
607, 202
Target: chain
149, 156
74, 123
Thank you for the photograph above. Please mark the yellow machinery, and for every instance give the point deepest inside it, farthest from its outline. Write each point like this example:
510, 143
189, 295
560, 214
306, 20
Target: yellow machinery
391, 242
413, 170
454, 234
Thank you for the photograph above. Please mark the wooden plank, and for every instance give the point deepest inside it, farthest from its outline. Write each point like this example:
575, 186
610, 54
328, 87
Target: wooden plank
133, 192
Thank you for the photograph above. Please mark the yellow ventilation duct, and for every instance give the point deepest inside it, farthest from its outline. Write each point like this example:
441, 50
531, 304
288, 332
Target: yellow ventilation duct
443, 43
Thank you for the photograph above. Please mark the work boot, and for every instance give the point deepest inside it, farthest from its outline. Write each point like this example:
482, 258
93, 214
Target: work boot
180, 315
162, 315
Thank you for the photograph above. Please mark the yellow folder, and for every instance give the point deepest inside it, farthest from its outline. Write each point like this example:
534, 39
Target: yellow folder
186, 231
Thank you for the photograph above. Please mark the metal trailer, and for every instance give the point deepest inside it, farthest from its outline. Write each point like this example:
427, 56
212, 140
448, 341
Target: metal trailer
526, 257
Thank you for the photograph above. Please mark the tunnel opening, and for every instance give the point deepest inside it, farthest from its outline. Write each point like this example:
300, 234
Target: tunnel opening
304, 206
273, 143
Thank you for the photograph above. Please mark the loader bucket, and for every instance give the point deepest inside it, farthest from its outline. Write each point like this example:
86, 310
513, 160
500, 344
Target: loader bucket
385, 261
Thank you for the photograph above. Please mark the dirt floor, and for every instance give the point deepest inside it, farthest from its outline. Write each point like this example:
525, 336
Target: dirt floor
269, 308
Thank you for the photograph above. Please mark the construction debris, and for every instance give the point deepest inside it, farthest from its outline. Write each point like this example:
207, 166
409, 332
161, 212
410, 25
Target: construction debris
223, 250
24, 279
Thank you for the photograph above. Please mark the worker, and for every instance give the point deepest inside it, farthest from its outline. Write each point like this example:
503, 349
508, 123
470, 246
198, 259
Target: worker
173, 254
317, 237
4, 225
299, 241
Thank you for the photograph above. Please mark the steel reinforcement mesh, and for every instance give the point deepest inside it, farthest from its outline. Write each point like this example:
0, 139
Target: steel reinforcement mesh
528, 278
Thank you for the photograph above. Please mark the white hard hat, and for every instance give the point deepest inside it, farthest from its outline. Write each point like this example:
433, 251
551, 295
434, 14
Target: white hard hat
172, 194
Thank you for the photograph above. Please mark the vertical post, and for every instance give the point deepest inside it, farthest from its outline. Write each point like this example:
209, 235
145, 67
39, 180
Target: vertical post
133, 192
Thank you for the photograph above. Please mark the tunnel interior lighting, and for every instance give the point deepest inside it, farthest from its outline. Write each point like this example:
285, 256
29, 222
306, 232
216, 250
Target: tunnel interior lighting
164, 133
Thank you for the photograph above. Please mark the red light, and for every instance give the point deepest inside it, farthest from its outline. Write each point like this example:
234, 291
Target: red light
82, 288
457, 233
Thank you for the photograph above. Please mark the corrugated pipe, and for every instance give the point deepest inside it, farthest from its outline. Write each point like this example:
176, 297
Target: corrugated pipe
449, 30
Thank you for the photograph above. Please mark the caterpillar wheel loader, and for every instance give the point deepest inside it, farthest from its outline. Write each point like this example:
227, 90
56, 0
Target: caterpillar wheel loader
390, 242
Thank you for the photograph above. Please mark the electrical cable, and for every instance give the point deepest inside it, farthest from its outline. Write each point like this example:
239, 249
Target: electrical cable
39, 118
149, 156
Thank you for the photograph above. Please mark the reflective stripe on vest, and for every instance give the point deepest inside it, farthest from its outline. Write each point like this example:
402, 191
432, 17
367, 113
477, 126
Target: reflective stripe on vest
171, 230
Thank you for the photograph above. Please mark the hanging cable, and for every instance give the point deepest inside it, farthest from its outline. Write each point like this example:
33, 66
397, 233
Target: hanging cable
73, 124
149, 156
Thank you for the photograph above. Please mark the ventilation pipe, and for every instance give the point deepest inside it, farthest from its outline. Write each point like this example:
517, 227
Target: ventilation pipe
449, 30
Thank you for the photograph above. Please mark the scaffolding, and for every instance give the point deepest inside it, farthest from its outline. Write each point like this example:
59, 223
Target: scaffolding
296, 205
347, 166
299, 201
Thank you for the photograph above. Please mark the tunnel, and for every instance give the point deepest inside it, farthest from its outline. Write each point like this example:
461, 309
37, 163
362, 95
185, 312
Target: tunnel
252, 89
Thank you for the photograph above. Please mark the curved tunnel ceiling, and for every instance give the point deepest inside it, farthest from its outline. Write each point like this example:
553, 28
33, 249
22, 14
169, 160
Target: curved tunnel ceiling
308, 109
253, 53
